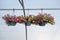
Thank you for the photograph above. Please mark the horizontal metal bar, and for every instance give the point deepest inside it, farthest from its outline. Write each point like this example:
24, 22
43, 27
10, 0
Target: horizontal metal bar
34, 9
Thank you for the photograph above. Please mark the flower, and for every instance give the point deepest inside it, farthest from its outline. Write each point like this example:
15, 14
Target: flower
40, 19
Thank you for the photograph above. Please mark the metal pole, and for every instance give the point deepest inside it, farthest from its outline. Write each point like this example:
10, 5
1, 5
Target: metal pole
34, 9
23, 7
22, 4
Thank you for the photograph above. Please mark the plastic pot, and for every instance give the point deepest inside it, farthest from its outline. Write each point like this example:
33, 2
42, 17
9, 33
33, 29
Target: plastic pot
12, 23
27, 24
42, 24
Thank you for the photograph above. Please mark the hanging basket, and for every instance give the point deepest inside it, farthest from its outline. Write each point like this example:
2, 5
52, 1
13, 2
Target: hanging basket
27, 24
12, 23
40, 19
42, 24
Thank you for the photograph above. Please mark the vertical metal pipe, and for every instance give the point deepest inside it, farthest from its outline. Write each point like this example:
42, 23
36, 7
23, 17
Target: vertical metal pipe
23, 7
22, 4
24, 15
26, 31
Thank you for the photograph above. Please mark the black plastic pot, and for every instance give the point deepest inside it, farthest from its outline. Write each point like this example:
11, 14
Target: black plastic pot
27, 24
12, 23
42, 24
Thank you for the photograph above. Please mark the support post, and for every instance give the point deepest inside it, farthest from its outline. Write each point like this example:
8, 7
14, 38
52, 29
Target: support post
22, 4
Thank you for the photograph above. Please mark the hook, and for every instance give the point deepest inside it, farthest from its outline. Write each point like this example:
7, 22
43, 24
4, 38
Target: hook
28, 11
13, 11
41, 10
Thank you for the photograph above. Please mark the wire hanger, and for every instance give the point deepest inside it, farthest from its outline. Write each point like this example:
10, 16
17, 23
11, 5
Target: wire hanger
13, 11
41, 10
28, 12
